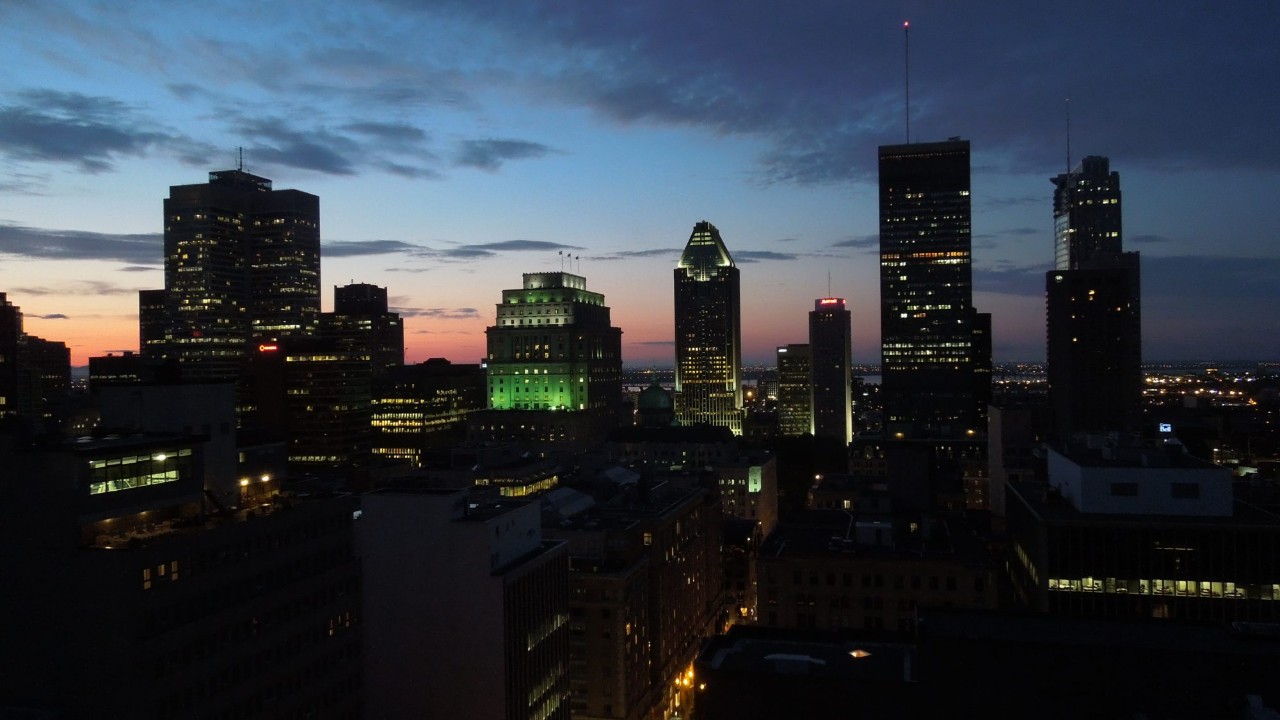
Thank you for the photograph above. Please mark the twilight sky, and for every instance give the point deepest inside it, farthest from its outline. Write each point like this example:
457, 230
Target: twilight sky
456, 145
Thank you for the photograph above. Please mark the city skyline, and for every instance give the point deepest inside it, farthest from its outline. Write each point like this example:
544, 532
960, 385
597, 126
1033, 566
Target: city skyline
453, 146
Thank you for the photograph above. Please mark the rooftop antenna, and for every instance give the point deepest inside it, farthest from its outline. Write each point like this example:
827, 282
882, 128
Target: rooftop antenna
561, 260
828, 283
240, 166
1068, 136
906, 75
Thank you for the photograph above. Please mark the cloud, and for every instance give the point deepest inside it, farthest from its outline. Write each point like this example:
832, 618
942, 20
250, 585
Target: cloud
750, 256
356, 248
388, 132
464, 313
140, 268
88, 131
1022, 231
860, 241
52, 316
491, 154
838, 92
79, 288
79, 244
1019, 201
1148, 239
1188, 277
666, 343
292, 146
1021, 281
482, 250
630, 254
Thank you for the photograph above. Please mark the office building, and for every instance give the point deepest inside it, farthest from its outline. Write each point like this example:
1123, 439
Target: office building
1126, 530
1094, 313
314, 393
361, 318
926, 291
646, 589
749, 489
141, 596
1086, 214
418, 409
242, 261
795, 393
466, 608
35, 374
708, 330
10, 333
831, 354
554, 364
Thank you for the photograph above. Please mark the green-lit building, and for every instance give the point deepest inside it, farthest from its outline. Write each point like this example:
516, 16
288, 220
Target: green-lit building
552, 350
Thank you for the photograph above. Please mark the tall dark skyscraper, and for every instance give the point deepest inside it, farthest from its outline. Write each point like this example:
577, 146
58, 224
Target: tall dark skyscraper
1086, 214
361, 318
708, 327
926, 291
1093, 307
242, 261
830, 347
795, 390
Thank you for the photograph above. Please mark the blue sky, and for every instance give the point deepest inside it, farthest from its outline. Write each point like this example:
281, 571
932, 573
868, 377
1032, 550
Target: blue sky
455, 145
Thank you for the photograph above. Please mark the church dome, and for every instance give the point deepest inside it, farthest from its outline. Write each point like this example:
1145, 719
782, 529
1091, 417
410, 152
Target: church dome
654, 398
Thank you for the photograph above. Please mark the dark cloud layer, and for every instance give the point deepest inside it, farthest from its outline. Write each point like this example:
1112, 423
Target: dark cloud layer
87, 288
862, 241
751, 256
355, 248
838, 92
90, 132
79, 245
464, 313
491, 154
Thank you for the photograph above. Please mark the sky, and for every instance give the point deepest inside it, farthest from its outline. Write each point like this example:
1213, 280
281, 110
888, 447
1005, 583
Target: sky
456, 145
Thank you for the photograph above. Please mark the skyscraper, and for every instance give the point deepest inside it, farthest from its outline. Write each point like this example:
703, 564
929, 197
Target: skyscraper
242, 261
708, 329
1086, 214
795, 390
554, 365
361, 318
926, 292
830, 348
1093, 307
553, 347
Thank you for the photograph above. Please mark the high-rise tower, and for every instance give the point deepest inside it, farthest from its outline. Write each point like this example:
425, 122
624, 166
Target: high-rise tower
554, 358
830, 348
708, 329
1086, 214
926, 292
795, 390
241, 261
1093, 307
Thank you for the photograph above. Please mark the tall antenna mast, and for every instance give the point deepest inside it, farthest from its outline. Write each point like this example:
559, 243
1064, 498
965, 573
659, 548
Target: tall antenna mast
1068, 136
828, 283
240, 167
906, 75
